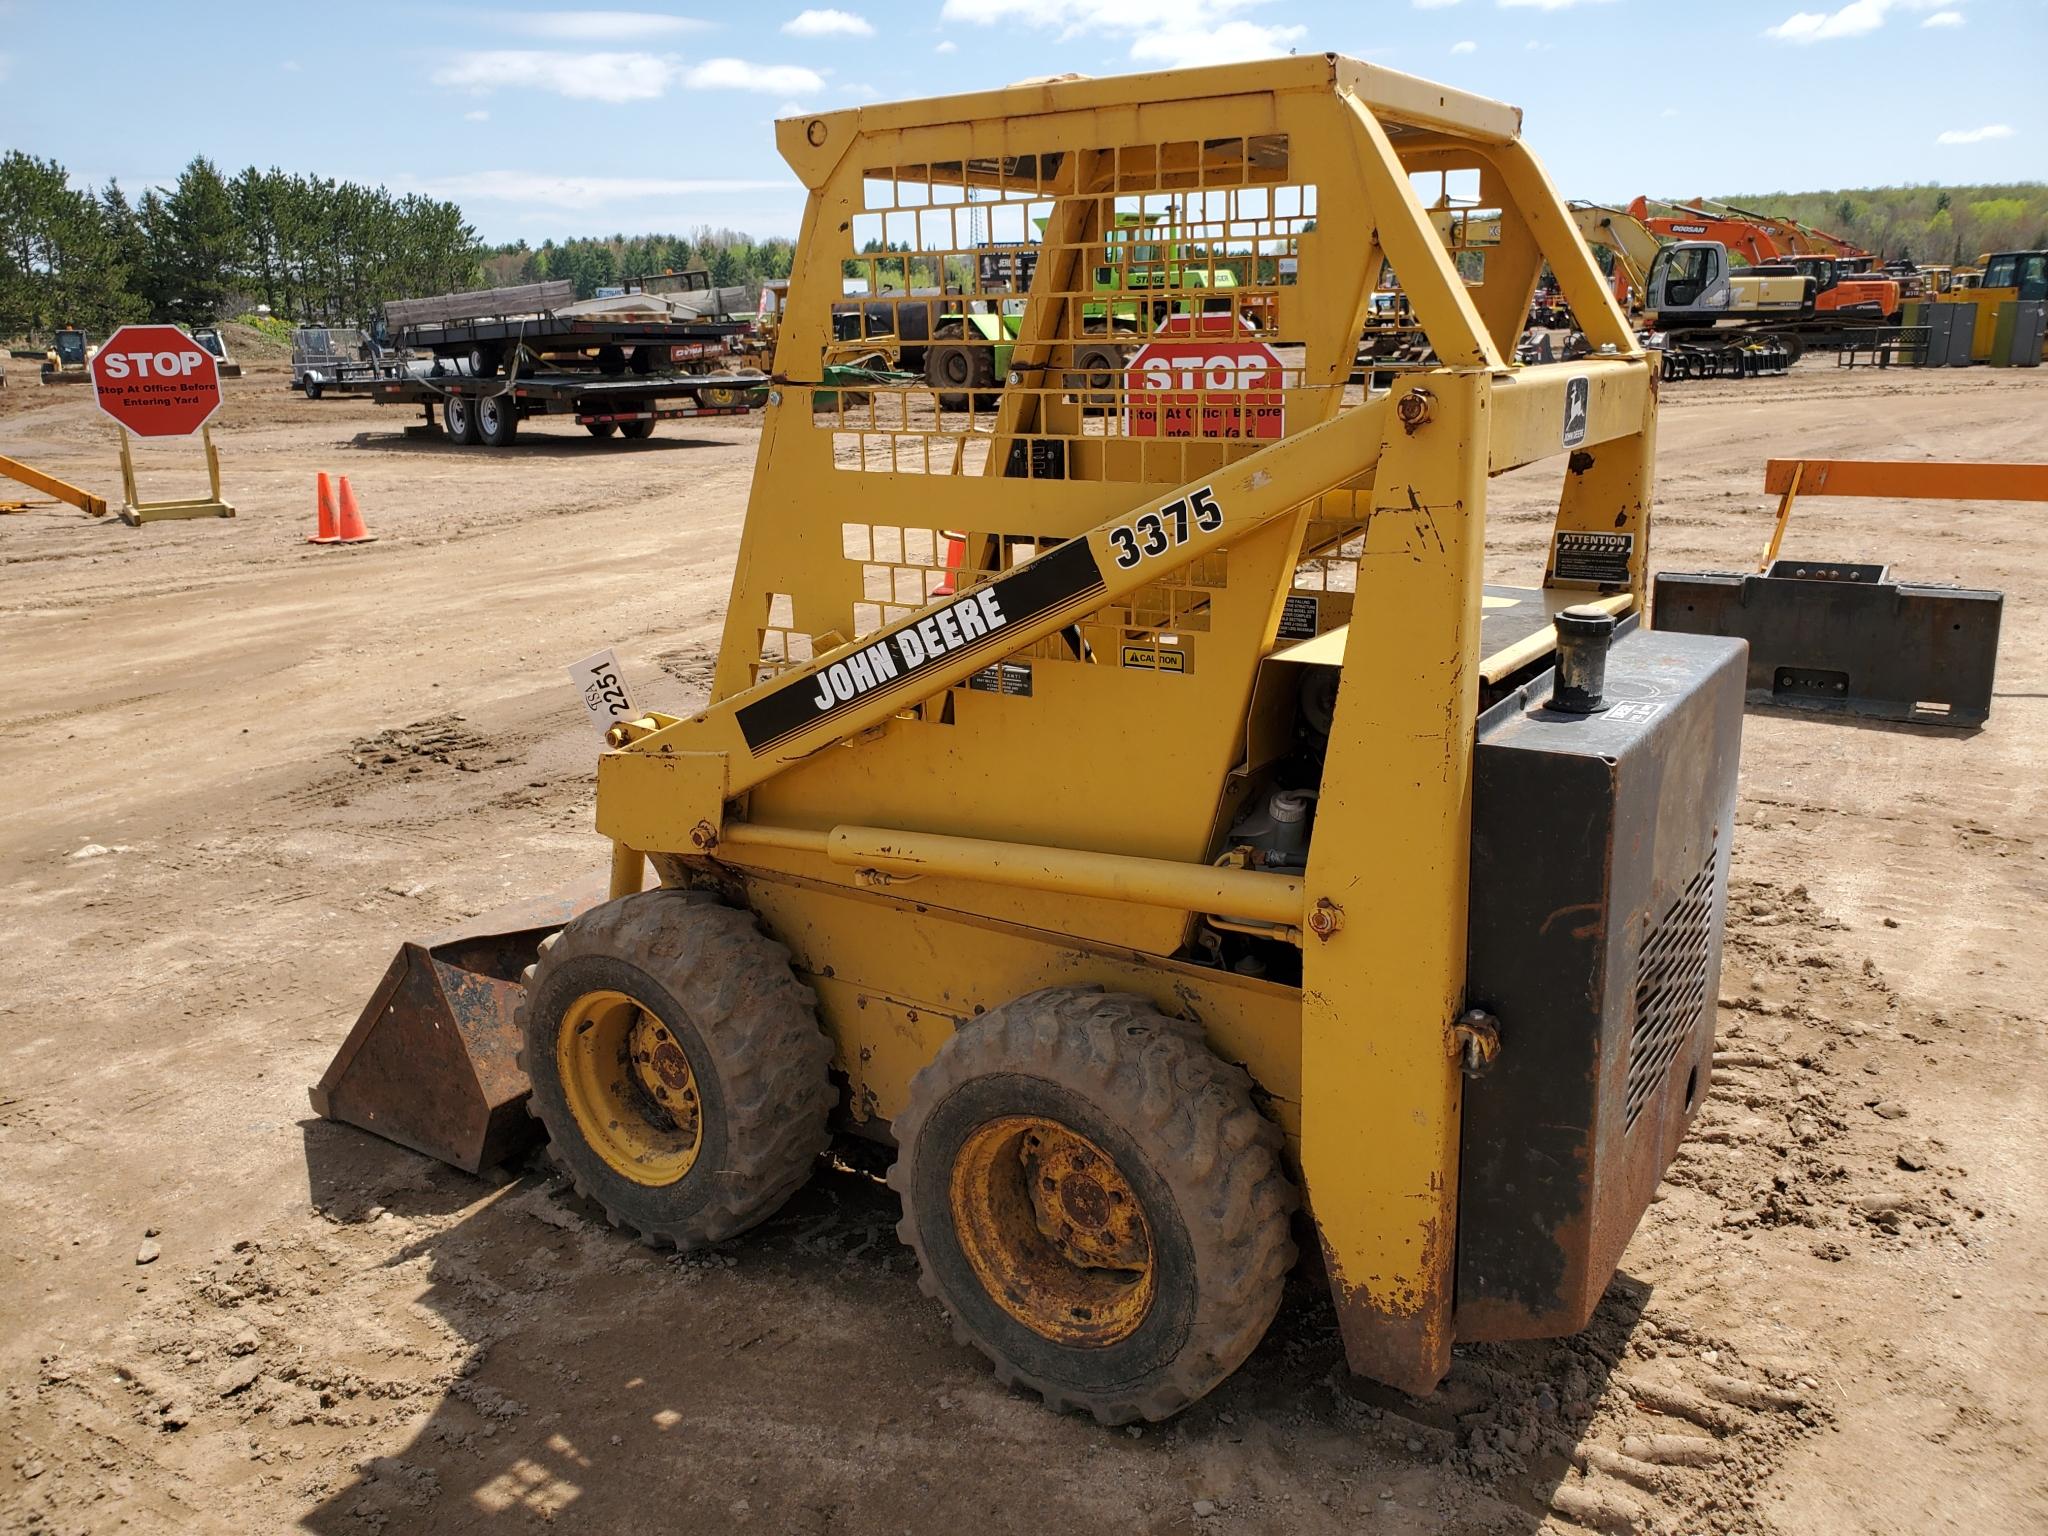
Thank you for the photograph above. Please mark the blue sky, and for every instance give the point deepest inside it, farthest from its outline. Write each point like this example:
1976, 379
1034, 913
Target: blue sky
558, 121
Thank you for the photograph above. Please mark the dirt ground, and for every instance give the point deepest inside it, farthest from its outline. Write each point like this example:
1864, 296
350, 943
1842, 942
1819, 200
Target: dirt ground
240, 770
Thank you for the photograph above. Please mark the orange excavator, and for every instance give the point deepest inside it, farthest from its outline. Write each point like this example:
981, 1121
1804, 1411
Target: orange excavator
1845, 289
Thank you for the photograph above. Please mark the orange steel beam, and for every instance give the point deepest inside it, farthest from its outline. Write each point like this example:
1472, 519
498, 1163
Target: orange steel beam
1907, 479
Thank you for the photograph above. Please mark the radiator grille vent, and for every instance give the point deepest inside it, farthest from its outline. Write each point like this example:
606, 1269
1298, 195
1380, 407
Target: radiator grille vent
1671, 986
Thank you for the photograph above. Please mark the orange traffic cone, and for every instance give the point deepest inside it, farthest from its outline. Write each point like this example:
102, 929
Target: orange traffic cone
956, 561
323, 513
352, 530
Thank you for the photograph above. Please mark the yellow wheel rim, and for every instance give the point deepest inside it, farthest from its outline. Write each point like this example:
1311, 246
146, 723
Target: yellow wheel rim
1053, 1231
630, 1087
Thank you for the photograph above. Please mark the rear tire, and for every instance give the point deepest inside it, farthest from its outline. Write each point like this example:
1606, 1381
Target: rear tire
497, 421
637, 430
600, 429
670, 993
1100, 369
1096, 1201
311, 386
957, 371
458, 420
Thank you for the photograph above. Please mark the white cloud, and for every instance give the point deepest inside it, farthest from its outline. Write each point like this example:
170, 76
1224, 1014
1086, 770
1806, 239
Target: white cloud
1856, 19
949, 46
1170, 33
575, 191
828, 24
1466, 46
1180, 47
1534, 46
1974, 135
1545, 5
863, 90
579, 76
289, 66
478, 116
1669, 112
1944, 19
599, 26
1434, 5
739, 75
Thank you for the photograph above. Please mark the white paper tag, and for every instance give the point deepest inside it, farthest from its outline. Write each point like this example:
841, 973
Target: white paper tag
603, 688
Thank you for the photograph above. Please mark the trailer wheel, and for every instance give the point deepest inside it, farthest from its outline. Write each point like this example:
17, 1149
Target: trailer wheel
1096, 1201
677, 1064
484, 360
497, 421
646, 359
611, 359
600, 429
458, 419
637, 429
311, 386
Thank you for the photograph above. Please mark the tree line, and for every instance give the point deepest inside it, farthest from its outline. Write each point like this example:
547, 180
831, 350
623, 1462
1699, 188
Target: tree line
316, 249
211, 247
1930, 224
606, 261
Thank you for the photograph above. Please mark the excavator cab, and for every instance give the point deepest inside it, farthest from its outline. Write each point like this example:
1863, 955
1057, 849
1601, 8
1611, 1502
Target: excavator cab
1689, 275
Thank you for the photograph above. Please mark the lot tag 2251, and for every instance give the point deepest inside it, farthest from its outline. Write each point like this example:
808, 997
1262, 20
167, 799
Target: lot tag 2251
603, 688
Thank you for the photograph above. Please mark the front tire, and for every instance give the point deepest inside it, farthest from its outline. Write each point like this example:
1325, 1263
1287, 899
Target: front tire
1096, 1201
677, 1064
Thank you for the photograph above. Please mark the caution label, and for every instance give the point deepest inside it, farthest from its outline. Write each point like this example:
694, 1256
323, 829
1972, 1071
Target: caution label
1156, 658
1599, 558
1006, 677
1298, 616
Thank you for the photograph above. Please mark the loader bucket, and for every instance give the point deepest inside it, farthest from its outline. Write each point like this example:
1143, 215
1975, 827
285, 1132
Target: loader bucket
433, 1062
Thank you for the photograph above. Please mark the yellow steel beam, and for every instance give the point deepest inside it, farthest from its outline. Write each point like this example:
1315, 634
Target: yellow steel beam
1437, 294
1269, 898
50, 485
1383, 983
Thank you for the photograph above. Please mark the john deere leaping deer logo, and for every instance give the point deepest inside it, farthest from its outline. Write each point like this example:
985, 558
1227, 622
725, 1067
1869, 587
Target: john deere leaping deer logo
1578, 394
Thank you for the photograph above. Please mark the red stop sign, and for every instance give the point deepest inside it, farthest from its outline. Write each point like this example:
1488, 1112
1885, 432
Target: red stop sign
156, 381
1223, 384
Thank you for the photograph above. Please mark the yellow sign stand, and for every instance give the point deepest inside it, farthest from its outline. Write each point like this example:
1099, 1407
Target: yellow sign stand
136, 511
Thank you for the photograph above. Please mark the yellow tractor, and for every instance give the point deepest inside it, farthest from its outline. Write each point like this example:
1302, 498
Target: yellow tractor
1173, 845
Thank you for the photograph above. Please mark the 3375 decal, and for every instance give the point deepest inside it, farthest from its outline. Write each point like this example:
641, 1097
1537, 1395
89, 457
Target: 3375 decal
1154, 533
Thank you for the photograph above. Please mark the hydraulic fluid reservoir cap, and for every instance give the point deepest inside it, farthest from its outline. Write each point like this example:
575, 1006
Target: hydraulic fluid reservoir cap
1288, 805
1583, 636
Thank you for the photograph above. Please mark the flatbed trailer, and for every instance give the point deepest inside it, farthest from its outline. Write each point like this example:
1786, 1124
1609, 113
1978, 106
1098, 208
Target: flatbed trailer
540, 328
488, 411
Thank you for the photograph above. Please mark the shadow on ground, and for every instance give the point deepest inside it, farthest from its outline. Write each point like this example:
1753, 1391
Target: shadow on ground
540, 445
796, 1381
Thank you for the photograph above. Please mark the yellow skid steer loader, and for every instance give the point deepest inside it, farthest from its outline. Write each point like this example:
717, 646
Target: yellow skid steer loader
1172, 845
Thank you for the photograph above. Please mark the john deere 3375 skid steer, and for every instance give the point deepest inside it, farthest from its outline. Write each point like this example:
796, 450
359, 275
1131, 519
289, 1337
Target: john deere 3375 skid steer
1125, 796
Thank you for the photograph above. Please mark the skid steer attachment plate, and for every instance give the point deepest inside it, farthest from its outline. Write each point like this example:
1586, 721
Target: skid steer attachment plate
433, 1062
1844, 637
